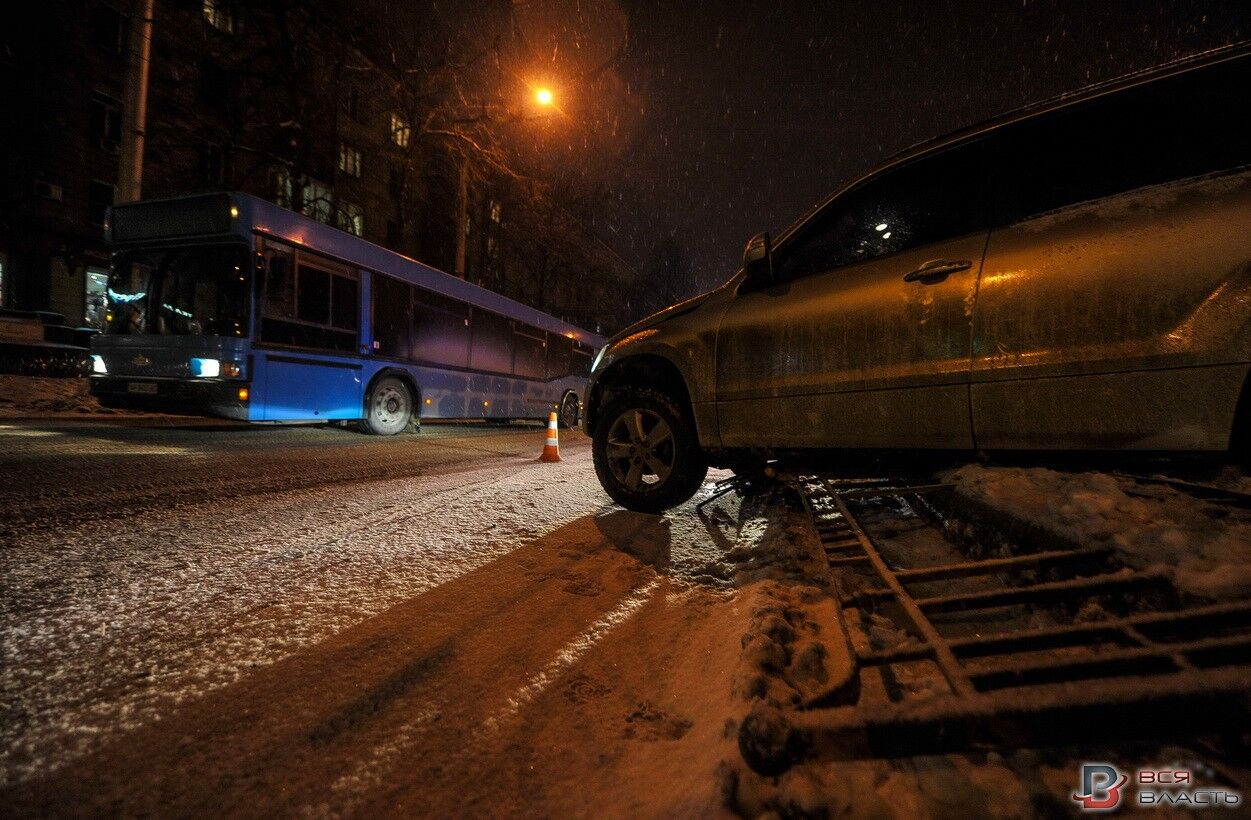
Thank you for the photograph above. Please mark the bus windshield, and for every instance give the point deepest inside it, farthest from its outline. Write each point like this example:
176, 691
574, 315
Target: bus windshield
200, 290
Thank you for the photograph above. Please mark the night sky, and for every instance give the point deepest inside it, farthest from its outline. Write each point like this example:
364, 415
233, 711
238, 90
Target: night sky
740, 116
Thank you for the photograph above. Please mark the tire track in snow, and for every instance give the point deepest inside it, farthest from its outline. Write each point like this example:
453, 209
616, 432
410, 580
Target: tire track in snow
378, 764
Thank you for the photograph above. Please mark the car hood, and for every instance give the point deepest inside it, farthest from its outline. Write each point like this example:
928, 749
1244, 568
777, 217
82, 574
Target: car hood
665, 315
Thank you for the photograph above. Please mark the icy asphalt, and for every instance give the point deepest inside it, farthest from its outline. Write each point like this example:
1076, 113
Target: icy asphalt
198, 617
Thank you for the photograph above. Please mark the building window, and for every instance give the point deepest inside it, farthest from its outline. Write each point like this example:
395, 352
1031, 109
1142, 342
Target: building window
99, 200
349, 160
401, 131
106, 122
215, 84
219, 15
315, 201
107, 29
281, 187
350, 101
351, 218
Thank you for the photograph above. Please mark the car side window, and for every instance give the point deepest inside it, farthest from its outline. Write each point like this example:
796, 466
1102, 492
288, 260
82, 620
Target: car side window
1187, 125
931, 199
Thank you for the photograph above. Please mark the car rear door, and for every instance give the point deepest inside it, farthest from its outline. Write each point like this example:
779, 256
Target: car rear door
1112, 306
864, 340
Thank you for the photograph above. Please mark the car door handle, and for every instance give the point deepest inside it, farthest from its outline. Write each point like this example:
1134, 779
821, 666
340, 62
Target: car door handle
936, 270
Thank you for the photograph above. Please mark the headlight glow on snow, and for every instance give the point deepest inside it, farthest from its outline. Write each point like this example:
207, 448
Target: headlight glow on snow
97, 364
206, 368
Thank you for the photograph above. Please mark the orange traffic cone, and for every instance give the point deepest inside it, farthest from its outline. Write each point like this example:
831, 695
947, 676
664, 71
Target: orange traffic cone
551, 447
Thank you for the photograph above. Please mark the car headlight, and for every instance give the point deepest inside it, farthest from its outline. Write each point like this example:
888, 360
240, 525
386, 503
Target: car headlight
97, 364
206, 368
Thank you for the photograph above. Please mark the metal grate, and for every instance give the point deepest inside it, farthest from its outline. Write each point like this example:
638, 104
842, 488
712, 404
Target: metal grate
1068, 680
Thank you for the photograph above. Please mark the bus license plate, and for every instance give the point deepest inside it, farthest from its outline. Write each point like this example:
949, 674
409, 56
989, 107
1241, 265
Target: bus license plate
146, 388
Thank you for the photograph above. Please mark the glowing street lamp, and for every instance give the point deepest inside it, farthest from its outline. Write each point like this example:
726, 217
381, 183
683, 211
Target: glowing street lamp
543, 96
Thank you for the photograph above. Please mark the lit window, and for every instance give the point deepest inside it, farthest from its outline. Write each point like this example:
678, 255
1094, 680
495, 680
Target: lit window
496, 212
401, 131
349, 159
219, 15
351, 218
315, 201
283, 192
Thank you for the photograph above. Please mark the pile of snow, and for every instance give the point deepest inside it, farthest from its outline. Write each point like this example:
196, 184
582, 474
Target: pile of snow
1206, 548
38, 396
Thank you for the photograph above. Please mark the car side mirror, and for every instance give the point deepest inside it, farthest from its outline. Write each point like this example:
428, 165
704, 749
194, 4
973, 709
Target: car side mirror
758, 260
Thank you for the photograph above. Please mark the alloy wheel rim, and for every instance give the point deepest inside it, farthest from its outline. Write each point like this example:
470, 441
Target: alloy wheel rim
640, 450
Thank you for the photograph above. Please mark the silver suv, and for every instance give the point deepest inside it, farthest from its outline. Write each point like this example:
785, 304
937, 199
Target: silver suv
1073, 276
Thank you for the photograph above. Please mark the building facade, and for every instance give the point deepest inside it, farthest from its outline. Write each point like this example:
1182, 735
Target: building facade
271, 99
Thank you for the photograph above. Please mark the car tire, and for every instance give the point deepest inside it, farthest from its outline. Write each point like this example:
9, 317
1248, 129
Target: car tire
569, 413
646, 454
388, 408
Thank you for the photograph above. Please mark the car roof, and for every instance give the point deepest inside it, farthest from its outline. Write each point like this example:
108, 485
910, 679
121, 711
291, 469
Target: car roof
1234, 51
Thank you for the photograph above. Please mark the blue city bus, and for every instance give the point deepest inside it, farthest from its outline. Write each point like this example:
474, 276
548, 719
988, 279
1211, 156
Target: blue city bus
227, 305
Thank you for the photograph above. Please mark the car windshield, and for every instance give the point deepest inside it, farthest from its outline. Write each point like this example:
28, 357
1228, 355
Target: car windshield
200, 290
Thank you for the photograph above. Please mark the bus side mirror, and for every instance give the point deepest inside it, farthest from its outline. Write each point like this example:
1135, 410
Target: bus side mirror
758, 260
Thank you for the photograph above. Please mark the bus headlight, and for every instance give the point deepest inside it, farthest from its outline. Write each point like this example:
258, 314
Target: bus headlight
231, 370
97, 364
206, 368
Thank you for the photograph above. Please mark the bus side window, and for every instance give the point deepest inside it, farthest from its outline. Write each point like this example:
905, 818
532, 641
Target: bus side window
528, 355
310, 302
313, 295
345, 309
440, 329
559, 355
279, 283
492, 349
581, 360
392, 313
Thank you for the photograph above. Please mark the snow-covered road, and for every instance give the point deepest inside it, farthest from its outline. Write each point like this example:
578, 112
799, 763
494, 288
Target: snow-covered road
198, 618
159, 582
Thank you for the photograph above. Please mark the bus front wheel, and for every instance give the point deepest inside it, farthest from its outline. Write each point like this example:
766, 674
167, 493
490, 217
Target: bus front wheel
389, 407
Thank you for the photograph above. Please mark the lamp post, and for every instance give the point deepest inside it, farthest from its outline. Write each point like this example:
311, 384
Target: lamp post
130, 162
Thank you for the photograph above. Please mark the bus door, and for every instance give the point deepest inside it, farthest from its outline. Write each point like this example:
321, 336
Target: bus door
309, 337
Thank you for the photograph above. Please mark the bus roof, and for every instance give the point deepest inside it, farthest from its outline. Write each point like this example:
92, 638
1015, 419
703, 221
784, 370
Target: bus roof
211, 214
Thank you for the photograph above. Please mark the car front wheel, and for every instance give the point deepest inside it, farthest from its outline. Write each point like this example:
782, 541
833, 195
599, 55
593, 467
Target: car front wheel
645, 452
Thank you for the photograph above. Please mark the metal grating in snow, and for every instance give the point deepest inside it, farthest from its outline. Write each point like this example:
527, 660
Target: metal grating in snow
1014, 657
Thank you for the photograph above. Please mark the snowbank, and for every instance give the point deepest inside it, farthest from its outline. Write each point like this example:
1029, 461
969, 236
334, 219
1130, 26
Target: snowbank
1207, 549
36, 396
